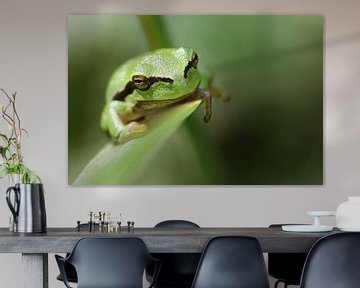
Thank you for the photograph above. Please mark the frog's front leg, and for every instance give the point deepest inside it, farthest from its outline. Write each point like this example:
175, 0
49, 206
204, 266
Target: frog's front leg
112, 123
207, 98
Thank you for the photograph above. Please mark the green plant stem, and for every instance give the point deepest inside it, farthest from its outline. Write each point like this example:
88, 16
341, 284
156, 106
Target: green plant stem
155, 31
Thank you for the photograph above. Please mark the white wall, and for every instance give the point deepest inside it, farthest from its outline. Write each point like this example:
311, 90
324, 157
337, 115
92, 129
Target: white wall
33, 62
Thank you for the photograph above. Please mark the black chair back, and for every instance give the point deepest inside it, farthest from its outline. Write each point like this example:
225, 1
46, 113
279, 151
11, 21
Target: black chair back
108, 262
176, 224
232, 262
333, 262
178, 269
69, 269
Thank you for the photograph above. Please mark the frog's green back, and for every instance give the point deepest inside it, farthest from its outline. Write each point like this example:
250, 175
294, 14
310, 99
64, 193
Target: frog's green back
162, 62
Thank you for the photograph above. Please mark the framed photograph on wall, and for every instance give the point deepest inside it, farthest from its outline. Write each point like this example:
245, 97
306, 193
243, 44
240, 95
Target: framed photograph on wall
140, 88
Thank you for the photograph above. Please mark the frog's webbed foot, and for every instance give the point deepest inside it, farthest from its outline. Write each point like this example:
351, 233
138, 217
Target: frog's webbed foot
207, 85
120, 131
207, 96
206, 92
131, 131
218, 93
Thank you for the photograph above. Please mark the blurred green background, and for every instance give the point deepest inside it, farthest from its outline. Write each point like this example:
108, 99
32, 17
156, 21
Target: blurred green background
270, 133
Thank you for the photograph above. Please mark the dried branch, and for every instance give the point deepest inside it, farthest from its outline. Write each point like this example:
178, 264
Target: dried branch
10, 152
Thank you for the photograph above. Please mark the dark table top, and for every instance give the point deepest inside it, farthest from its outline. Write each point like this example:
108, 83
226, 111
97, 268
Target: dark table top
158, 240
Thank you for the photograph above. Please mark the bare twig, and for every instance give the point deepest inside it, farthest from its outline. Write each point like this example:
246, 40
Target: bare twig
14, 124
11, 156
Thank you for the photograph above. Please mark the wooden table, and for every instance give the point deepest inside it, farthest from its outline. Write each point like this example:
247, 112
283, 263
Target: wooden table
35, 247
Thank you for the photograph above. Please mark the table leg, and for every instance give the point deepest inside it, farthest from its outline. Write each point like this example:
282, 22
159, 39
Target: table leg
35, 270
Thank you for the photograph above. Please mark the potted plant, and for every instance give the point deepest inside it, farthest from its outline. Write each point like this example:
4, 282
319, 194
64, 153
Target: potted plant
25, 197
12, 161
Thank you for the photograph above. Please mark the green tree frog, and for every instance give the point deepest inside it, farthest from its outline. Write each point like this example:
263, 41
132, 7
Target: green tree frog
149, 83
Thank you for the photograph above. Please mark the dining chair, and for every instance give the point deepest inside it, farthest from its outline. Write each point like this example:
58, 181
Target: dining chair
108, 263
231, 262
285, 267
70, 271
178, 269
333, 262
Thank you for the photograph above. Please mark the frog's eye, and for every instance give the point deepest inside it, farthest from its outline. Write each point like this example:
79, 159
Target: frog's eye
192, 64
141, 82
